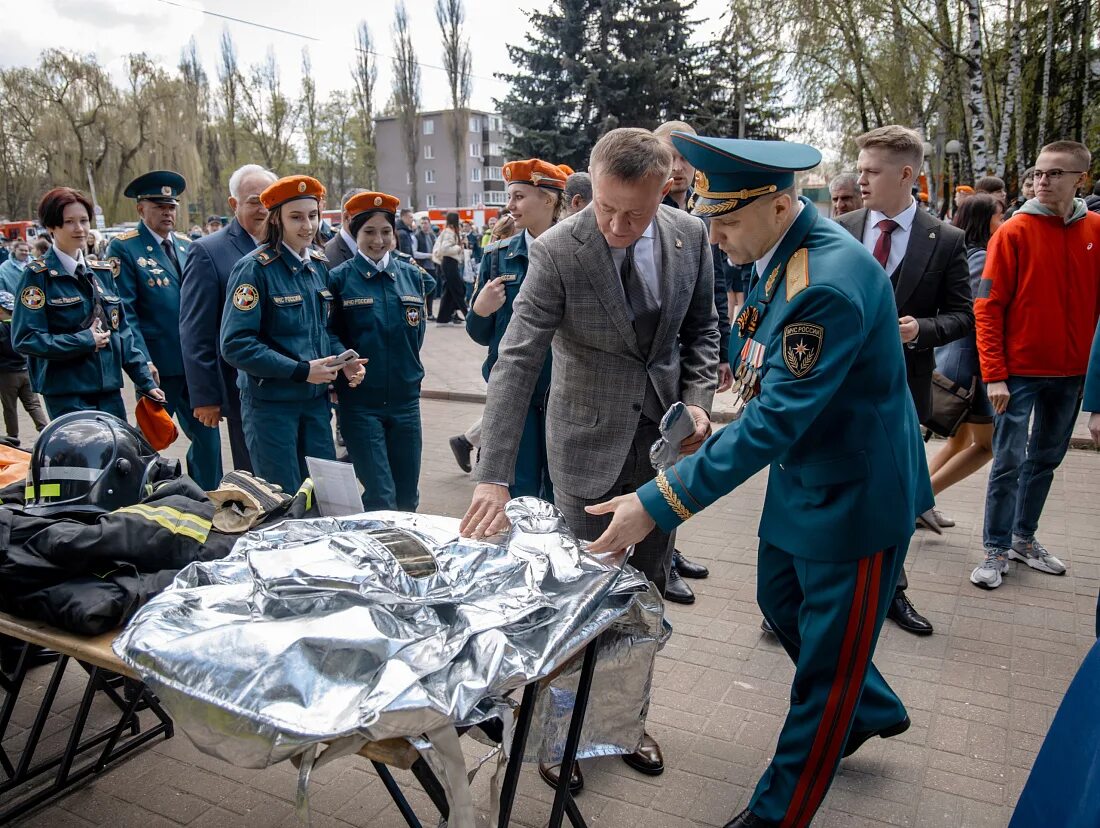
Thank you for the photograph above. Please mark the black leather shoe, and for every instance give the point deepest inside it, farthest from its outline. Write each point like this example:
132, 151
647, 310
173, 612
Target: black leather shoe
648, 758
462, 448
905, 615
747, 819
677, 590
552, 773
688, 569
766, 626
855, 740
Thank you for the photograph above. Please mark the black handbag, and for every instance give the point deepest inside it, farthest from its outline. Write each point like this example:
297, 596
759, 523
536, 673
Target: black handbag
950, 405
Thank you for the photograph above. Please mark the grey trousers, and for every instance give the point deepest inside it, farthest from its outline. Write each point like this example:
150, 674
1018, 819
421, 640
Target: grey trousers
652, 555
15, 388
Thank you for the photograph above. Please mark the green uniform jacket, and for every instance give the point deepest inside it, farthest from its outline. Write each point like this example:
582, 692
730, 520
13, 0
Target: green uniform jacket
277, 317
834, 418
52, 328
150, 291
506, 258
381, 316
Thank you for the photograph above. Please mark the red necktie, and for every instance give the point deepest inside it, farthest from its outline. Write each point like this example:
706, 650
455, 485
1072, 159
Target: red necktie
886, 229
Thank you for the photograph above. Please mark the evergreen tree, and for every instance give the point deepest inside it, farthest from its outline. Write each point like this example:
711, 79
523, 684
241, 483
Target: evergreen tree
590, 66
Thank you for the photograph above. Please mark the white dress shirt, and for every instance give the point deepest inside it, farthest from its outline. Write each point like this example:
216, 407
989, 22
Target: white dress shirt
900, 241
67, 261
160, 239
647, 255
381, 264
350, 242
763, 262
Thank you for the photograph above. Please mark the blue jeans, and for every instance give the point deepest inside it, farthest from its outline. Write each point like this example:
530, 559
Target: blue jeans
1023, 464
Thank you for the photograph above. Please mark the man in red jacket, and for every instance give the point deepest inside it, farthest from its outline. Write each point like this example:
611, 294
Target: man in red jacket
1036, 311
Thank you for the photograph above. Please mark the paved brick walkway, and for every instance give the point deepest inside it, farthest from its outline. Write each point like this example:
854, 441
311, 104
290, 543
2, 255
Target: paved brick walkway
981, 691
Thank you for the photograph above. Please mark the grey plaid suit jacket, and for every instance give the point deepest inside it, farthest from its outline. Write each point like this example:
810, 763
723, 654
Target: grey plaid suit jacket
572, 300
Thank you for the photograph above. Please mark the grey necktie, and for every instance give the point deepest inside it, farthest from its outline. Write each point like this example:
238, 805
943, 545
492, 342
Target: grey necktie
646, 311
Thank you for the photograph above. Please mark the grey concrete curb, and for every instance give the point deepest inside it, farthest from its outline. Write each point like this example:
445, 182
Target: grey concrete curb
1083, 443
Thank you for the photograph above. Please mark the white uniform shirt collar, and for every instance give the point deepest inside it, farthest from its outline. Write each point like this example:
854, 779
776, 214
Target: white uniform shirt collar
904, 218
763, 262
380, 265
304, 258
67, 261
348, 240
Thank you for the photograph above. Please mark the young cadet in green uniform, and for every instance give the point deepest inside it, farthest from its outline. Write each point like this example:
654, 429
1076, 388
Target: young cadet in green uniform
820, 382
276, 331
70, 321
536, 202
148, 262
379, 311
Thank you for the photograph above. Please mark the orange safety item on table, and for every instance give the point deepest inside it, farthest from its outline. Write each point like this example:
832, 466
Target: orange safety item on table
155, 423
14, 465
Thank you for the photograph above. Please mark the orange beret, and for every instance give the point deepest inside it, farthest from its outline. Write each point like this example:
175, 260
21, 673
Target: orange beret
370, 203
565, 168
965, 188
535, 172
290, 188
155, 423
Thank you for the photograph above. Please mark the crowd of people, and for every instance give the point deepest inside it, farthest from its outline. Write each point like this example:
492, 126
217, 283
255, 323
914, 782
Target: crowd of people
678, 266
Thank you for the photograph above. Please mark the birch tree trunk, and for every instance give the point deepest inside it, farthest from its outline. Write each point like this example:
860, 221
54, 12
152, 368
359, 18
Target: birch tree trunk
976, 103
1015, 58
1044, 101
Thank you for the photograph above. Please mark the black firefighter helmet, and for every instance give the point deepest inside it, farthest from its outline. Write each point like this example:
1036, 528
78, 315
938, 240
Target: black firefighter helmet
90, 461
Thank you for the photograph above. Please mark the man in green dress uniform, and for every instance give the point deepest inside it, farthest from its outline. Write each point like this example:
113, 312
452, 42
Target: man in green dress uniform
148, 264
822, 400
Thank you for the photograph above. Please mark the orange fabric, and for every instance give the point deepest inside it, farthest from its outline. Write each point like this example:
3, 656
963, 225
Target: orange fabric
965, 188
565, 168
290, 188
155, 423
1038, 300
14, 465
535, 172
362, 202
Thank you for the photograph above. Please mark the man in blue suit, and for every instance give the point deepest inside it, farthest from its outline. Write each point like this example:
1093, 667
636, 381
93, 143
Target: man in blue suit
820, 381
148, 265
211, 380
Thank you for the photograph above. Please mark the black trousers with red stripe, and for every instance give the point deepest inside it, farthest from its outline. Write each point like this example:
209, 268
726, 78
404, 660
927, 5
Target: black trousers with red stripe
827, 615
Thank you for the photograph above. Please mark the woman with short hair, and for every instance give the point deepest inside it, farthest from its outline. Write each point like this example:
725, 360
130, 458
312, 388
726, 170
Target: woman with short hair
69, 320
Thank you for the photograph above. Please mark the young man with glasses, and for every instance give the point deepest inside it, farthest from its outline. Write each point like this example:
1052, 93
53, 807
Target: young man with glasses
1036, 309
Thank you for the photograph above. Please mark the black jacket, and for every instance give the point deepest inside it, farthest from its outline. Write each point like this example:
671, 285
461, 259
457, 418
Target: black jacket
89, 574
11, 361
932, 286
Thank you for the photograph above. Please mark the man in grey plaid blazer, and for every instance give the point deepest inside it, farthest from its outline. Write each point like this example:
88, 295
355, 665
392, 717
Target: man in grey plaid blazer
623, 292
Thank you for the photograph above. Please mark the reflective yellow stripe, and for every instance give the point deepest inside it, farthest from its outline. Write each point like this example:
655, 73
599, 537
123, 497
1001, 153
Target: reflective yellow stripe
307, 489
45, 490
173, 520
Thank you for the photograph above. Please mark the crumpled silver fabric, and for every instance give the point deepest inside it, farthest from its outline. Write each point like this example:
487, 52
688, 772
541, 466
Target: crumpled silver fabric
389, 624
676, 426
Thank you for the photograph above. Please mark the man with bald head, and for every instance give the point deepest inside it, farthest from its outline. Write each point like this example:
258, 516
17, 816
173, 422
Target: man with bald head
211, 381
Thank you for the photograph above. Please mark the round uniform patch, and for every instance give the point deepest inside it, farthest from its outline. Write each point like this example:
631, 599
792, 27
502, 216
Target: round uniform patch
32, 297
412, 316
114, 318
245, 297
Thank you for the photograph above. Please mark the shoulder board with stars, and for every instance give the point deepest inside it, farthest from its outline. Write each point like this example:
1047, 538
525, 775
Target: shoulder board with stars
129, 234
319, 255
37, 266
265, 256
182, 237
100, 264
497, 245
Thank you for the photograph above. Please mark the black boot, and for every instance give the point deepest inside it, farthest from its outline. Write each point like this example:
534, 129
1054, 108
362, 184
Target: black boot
688, 569
677, 590
905, 615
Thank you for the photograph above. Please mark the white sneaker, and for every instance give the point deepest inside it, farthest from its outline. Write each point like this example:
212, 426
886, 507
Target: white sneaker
988, 575
1035, 555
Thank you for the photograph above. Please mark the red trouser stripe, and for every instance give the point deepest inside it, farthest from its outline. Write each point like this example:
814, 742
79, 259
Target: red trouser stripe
855, 652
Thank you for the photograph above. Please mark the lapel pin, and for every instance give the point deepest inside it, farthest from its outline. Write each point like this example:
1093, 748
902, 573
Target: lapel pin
679, 244
932, 235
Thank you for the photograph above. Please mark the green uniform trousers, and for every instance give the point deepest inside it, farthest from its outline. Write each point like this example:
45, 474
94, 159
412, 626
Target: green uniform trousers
282, 433
384, 446
827, 615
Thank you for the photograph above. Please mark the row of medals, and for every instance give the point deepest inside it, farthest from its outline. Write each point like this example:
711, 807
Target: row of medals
153, 267
746, 377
